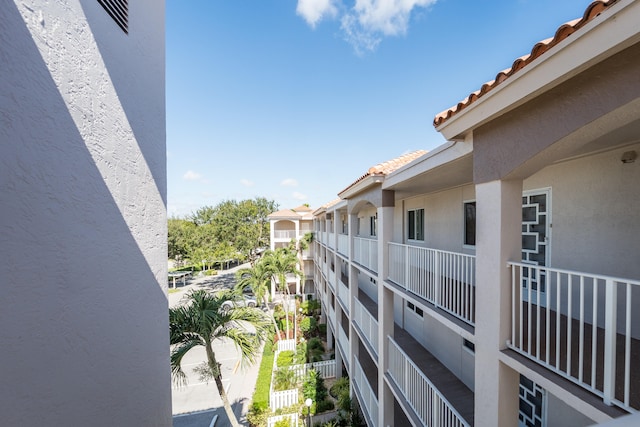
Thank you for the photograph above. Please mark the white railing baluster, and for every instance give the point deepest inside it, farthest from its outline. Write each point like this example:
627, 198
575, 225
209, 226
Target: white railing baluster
610, 342
568, 305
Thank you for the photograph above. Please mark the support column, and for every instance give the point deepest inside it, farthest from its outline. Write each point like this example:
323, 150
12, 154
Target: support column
338, 348
499, 229
385, 308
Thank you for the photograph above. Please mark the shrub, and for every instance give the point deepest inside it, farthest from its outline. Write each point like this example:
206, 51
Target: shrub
284, 379
301, 354
322, 329
339, 387
283, 423
259, 409
324, 406
308, 325
315, 344
285, 358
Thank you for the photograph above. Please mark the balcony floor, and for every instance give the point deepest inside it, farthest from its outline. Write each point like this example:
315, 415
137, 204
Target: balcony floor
634, 394
454, 390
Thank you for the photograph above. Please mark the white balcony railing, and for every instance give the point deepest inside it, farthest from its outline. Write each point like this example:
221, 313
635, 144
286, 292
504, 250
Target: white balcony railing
429, 405
331, 240
284, 234
367, 324
365, 253
332, 316
343, 341
581, 326
323, 237
343, 295
369, 401
445, 279
343, 244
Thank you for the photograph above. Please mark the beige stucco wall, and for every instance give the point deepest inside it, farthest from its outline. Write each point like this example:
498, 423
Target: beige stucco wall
443, 343
444, 219
595, 209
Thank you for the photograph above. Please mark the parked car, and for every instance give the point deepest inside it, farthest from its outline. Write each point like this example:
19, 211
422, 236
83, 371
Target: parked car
245, 301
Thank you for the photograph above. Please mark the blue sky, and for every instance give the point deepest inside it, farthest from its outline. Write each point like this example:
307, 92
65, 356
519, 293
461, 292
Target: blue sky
293, 100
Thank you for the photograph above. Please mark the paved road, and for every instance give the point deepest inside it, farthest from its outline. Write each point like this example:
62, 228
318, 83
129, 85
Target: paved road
195, 404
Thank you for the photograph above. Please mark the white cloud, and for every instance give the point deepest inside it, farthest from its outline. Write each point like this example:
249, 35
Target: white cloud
366, 22
299, 196
289, 182
246, 183
191, 176
313, 11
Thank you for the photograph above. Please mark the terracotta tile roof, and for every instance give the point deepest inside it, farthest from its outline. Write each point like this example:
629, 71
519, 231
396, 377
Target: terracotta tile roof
564, 31
302, 208
385, 168
284, 213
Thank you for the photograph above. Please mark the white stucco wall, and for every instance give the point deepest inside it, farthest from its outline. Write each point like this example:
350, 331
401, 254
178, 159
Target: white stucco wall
83, 216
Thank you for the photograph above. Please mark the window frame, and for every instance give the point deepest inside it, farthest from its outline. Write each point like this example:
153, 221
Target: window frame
415, 237
465, 243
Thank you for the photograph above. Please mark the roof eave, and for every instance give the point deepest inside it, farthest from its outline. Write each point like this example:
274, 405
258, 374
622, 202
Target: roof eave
613, 31
364, 184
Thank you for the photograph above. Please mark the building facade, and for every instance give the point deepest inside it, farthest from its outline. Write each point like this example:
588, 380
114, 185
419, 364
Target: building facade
83, 214
495, 280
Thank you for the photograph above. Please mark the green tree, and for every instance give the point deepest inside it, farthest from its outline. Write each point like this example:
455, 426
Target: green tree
280, 263
201, 321
180, 237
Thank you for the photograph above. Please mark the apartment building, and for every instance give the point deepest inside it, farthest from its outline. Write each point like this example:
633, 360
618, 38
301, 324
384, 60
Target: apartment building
495, 280
291, 225
82, 214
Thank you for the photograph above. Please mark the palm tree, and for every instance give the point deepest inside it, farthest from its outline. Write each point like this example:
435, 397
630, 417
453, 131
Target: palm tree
201, 320
256, 278
279, 263
299, 246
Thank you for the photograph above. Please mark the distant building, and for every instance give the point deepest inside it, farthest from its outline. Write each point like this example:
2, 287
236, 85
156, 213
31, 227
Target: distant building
495, 280
289, 225
83, 221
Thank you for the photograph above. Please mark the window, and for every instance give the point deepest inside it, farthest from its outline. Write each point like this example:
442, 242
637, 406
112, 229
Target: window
415, 224
358, 227
373, 224
470, 223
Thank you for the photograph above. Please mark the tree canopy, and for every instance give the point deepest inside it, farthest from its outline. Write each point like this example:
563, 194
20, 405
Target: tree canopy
229, 230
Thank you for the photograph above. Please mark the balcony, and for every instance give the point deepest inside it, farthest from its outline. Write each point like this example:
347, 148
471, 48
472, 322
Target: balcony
445, 279
343, 342
367, 325
439, 399
284, 234
331, 240
343, 244
366, 395
580, 326
365, 253
343, 295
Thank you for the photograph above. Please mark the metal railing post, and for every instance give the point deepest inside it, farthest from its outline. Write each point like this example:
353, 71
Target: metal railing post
611, 302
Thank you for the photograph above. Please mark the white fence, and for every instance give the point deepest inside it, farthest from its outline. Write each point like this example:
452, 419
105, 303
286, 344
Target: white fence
366, 323
429, 405
581, 326
365, 253
326, 369
445, 279
286, 345
283, 399
369, 402
294, 419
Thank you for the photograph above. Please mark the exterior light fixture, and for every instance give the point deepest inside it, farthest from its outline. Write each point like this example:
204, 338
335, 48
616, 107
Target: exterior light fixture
629, 157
